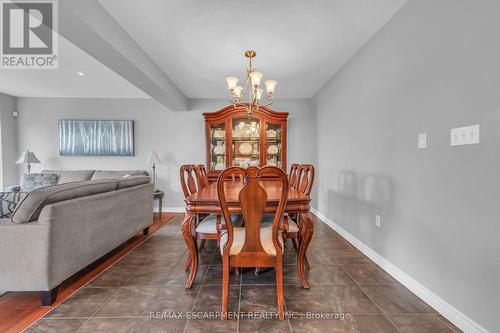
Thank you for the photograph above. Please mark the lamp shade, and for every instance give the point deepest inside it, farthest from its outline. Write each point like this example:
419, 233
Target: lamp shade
27, 157
153, 158
270, 85
255, 78
258, 94
231, 82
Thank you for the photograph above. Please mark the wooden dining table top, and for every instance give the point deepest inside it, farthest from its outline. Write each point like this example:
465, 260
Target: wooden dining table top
207, 200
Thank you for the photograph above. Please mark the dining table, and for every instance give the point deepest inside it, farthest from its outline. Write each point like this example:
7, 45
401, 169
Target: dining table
206, 202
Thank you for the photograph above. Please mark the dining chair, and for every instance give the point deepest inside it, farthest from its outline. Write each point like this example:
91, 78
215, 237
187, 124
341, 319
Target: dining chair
306, 178
202, 177
305, 181
252, 245
194, 179
293, 176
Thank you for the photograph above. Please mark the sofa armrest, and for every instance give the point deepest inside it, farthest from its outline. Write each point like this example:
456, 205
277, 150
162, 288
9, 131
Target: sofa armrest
24, 256
14, 188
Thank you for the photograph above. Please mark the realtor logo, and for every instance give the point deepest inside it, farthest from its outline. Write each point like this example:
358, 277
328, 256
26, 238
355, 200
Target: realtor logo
28, 34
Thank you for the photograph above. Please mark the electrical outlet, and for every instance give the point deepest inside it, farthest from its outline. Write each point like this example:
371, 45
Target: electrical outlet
468, 135
422, 140
378, 222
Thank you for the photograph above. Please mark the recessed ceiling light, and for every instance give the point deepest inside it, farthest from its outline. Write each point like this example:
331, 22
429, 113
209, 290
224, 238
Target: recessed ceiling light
80, 73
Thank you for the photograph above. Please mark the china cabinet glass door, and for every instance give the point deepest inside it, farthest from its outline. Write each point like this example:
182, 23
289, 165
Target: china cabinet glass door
246, 142
273, 149
218, 146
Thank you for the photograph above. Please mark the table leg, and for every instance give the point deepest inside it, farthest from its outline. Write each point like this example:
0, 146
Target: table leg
192, 247
160, 206
306, 232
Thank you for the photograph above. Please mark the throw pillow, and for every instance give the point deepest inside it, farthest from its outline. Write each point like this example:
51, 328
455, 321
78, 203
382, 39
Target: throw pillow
33, 181
9, 201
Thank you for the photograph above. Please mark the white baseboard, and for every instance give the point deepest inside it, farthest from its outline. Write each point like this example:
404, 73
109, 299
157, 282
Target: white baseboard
165, 209
447, 310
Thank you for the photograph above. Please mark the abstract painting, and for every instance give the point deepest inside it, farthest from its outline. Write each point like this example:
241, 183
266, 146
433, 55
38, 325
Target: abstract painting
96, 137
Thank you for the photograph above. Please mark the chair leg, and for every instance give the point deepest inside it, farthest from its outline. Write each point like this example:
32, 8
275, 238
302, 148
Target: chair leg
279, 290
306, 262
295, 245
188, 264
225, 287
202, 244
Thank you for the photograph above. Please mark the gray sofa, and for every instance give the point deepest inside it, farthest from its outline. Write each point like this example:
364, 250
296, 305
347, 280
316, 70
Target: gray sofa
58, 230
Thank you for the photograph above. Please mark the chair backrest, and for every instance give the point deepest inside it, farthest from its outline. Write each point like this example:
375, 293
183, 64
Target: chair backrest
306, 178
201, 176
252, 199
237, 178
188, 179
293, 177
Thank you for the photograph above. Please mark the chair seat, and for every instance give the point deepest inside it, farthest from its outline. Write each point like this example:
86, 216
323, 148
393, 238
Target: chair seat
209, 224
266, 239
268, 219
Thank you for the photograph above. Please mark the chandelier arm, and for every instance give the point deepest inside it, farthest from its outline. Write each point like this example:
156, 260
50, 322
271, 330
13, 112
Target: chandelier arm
270, 101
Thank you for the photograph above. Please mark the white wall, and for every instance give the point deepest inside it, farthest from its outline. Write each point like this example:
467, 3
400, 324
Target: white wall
433, 67
8, 141
179, 137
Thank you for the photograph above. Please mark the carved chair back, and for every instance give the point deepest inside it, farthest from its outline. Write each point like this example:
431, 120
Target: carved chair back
252, 200
201, 176
188, 179
293, 177
306, 178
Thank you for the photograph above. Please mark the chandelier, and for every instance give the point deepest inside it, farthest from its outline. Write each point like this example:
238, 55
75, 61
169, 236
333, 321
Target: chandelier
252, 83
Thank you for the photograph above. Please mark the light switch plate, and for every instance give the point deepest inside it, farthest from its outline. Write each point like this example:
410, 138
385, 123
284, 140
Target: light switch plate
422, 140
378, 222
468, 135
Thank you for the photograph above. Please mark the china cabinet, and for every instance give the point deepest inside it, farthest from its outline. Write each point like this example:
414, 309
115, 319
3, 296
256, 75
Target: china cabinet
235, 139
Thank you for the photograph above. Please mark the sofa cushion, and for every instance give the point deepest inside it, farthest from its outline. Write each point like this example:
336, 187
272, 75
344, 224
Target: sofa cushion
68, 176
33, 181
131, 181
30, 207
109, 174
9, 201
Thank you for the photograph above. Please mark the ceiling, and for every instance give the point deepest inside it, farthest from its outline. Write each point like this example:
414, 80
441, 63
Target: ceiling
171, 50
99, 81
301, 44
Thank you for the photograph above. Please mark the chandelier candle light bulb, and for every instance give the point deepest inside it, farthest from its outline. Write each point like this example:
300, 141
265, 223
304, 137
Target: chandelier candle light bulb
254, 93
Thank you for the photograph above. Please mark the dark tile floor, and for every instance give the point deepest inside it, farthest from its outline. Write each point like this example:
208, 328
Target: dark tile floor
150, 279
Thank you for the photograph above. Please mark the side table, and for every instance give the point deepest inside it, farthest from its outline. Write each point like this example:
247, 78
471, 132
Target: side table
158, 195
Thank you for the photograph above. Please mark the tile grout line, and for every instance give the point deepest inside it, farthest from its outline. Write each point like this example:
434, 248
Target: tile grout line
98, 308
239, 303
199, 291
117, 289
448, 325
286, 310
376, 305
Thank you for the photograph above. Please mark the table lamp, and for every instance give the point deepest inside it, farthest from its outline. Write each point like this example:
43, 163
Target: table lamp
153, 160
27, 157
